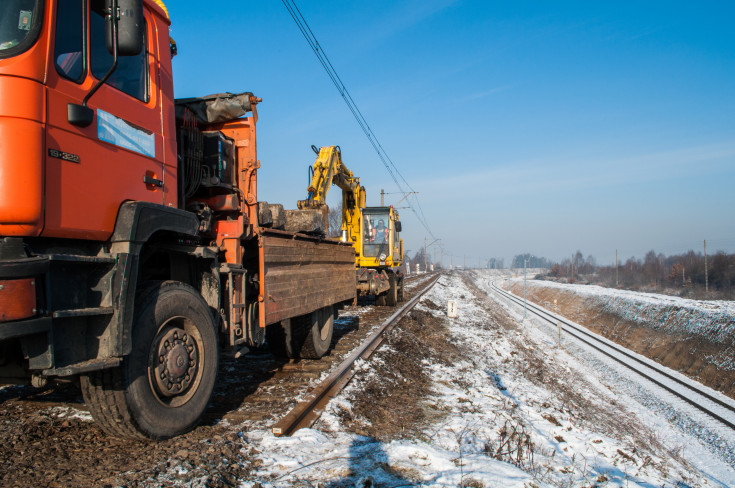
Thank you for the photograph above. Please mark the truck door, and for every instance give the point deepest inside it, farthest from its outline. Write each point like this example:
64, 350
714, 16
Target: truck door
91, 170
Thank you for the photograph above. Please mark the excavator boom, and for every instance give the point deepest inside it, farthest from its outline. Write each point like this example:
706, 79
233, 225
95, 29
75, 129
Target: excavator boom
328, 169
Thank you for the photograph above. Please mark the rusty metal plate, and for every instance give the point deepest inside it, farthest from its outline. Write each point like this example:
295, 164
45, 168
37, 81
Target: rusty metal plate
17, 299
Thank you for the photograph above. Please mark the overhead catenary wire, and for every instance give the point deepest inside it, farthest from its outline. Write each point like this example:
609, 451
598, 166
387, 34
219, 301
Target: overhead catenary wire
390, 166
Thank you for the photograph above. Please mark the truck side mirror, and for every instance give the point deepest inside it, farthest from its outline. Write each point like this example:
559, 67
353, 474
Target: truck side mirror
398, 226
130, 27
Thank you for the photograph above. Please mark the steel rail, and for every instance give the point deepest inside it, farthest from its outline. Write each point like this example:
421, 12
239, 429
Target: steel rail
545, 314
305, 413
422, 275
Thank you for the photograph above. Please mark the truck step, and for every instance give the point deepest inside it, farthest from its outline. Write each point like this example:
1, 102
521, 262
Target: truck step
83, 367
82, 312
79, 258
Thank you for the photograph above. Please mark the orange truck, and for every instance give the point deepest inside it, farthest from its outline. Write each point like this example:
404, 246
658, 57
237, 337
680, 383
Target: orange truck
133, 246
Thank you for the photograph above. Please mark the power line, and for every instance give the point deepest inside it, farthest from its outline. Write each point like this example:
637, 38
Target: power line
390, 166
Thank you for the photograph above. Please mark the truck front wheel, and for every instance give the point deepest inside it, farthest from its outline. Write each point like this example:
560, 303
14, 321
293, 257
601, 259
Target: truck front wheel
163, 386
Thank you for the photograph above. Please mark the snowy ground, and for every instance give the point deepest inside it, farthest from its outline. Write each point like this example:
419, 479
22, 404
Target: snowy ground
711, 319
516, 411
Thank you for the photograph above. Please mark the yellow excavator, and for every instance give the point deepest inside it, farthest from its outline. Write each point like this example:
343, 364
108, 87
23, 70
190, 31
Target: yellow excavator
373, 231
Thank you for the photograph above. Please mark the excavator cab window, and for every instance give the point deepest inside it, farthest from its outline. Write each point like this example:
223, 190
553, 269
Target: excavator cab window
20, 22
376, 234
131, 75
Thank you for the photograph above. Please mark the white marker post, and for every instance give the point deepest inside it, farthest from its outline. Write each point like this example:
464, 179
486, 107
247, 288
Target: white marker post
452, 309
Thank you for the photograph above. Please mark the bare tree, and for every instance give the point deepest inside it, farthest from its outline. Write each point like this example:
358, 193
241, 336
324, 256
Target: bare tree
334, 219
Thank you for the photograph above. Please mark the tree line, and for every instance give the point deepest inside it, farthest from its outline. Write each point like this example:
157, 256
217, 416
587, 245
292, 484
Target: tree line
687, 274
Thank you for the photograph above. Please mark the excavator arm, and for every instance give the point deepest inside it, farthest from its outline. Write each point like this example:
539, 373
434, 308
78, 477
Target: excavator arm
329, 169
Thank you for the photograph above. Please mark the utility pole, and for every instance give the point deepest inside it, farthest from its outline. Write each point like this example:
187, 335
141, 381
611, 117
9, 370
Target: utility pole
434, 258
706, 278
382, 197
617, 283
425, 268
524, 287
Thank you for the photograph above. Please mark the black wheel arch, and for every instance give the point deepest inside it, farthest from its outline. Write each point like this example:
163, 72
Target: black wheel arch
142, 230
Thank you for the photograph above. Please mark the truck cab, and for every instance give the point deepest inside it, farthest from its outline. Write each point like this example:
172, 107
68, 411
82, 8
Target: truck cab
71, 179
132, 241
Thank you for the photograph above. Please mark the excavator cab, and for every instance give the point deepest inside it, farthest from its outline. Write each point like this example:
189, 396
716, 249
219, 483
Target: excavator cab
379, 255
381, 243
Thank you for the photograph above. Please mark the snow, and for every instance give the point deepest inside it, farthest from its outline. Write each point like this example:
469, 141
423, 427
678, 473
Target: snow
312, 455
708, 445
67, 412
575, 425
710, 319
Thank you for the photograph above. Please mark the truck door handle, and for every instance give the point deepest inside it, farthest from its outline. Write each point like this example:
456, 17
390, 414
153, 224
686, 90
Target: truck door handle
152, 181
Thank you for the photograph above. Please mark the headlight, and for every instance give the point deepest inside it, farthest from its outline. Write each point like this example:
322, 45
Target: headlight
382, 257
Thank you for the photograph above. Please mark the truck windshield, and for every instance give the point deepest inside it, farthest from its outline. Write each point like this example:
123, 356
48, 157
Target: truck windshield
19, 25
376, 235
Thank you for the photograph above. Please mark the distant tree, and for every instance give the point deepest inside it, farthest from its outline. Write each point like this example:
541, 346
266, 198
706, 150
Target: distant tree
533, 261
496, 263
589, 265
334, 219
578, 260
684, 272
722, 272
418, 258
676, 276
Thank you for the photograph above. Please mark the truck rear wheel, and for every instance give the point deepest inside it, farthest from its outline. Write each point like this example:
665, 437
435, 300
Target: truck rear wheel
319, 328
307, 336
280, 340
163, 386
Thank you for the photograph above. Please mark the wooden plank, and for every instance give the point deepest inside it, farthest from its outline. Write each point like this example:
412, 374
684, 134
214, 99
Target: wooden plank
304, 275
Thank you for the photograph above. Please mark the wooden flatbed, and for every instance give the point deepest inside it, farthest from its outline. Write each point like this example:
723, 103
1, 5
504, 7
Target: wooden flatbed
302, 274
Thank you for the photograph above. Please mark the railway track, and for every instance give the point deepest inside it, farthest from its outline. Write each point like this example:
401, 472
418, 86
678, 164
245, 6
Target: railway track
308, 411
715, 405
258, 389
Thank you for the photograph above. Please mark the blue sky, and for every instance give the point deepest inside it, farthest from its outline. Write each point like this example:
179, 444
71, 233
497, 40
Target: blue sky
541, 127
